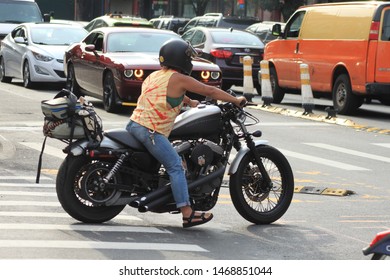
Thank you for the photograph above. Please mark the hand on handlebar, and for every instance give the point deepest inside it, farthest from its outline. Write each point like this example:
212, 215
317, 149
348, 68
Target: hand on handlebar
240, 101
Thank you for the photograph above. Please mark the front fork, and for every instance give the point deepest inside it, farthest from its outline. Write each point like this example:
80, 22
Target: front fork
267, 182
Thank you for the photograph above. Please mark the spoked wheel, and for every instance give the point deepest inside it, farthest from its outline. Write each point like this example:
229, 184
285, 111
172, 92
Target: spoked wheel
82, 192
110, 95
27, 75
254, 200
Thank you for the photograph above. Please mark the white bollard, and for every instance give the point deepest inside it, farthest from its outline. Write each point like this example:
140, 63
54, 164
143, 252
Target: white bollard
248, 79
306, 92
266, 88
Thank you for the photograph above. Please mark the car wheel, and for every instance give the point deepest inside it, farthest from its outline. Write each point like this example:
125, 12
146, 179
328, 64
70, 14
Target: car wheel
258, 89
71, 82
277, 92
344, 101
3, 77
26, 75
110, 96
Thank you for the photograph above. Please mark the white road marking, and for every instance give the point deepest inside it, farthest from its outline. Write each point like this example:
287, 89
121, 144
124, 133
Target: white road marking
100, 245
320, 160
349, 151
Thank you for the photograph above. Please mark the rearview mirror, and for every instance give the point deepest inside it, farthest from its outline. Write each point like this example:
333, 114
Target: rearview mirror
277, 29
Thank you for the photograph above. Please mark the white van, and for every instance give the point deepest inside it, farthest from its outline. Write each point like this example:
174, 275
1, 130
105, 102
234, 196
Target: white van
14, 12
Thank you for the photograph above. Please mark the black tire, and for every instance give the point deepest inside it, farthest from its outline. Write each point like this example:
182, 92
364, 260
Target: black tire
344, 101
26, 75
378, 257
252, 203
3, 77
277, 92
74, 195
258, 89
110, 95
71, 82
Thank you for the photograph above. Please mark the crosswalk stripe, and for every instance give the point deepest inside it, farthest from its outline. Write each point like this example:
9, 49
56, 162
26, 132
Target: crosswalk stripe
58, 215
42, 178
49, 150
83, 227
100, 245
385, 145
348, 151
320, 160
20, 193
27, 185
30, 203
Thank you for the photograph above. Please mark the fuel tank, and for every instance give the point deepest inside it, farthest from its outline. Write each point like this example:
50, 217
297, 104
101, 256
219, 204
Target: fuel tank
203, 121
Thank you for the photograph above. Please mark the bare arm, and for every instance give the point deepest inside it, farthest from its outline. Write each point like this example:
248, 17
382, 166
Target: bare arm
179, 84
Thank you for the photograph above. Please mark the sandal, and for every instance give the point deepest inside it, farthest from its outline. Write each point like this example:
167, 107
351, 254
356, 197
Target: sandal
190, 223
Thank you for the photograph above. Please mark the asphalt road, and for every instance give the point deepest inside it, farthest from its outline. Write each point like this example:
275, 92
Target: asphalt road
342, 156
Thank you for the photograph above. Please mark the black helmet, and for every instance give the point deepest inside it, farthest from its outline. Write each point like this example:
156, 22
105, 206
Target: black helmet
177, 54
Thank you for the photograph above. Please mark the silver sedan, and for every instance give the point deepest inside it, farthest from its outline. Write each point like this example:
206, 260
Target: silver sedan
34, 52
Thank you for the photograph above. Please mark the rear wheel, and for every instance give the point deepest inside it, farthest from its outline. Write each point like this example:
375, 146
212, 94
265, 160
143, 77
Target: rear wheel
81, 192
3, 77
344, 101
254, 201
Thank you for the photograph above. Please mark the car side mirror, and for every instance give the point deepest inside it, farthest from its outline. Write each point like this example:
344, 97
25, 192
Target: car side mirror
180, 30
277, 29
20, 40
90, 48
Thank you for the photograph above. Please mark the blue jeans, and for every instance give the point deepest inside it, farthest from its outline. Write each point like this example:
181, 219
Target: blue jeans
164, 152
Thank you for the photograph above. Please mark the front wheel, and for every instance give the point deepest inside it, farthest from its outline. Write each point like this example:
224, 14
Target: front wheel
27, 83
80, 192
253, 200
110, 95
378, 257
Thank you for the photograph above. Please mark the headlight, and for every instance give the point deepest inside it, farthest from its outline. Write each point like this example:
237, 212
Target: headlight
42, 57
128, 73
139, 73
215, 75
205, 75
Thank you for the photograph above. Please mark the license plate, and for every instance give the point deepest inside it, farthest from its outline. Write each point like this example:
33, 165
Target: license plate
242, 59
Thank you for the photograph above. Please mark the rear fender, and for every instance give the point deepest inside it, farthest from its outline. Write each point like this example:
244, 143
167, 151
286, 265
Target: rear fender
241, 153
78, 148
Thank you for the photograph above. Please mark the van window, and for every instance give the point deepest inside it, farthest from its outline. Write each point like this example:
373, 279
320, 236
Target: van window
294, 25
386, 26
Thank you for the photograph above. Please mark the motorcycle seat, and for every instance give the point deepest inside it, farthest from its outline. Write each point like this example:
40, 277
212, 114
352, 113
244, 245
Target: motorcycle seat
122, 136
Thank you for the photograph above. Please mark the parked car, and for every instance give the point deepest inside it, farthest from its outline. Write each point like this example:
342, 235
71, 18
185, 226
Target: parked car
117, 20
34, 52
111, 63
226, 47
264, 30
219, 20
13, 13
169, 22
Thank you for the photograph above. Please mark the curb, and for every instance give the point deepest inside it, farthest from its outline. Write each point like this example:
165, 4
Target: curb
321, 118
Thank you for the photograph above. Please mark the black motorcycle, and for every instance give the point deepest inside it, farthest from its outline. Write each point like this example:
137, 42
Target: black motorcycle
96, 182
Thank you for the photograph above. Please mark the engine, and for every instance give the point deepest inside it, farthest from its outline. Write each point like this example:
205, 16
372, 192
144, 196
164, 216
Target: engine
201, 158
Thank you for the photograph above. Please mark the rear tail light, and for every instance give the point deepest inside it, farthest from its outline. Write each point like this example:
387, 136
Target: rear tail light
221, 54
374, 30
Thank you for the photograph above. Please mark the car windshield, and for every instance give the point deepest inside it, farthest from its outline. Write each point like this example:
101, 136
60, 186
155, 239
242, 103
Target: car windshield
19, 12
57, 36
137, 42
235, 38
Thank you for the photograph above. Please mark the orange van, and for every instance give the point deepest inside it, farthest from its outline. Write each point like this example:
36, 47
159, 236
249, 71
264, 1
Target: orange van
347, 48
